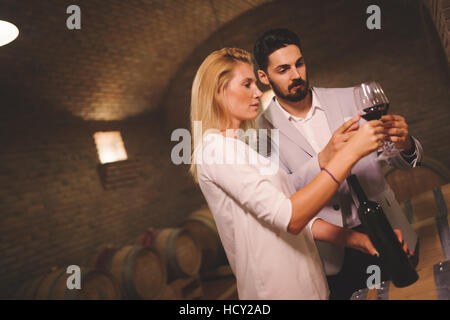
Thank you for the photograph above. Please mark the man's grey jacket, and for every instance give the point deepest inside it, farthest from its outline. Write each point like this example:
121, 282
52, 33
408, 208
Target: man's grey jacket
299, 160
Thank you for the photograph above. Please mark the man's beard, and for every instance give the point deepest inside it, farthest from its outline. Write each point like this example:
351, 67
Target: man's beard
299, 95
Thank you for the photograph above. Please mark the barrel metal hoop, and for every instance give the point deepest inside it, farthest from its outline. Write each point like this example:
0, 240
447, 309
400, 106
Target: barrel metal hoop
360, 294
442, 222
383, 292
207, 222
108, 264
441, 272
171, 253
444, 235
52, 287
409, 211
71, 294
127, 274
36, 289
440, 203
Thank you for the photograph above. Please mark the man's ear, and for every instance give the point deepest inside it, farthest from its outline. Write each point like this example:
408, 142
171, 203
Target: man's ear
263, 77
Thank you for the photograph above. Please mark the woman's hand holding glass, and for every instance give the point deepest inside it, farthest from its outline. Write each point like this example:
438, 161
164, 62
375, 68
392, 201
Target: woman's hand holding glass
368, 138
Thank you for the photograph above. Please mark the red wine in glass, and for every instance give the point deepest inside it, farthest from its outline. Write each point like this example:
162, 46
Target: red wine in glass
375, 112
372, 103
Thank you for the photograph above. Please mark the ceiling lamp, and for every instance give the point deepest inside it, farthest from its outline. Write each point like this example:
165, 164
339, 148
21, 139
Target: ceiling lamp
8, 32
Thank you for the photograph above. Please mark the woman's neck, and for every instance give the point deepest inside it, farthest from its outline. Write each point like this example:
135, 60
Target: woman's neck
232, 129
230, 132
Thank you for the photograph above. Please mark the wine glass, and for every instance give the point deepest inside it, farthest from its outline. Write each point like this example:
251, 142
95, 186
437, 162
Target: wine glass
372, 103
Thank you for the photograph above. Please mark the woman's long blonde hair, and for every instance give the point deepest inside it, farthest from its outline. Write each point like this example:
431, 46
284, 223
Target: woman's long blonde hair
207, 99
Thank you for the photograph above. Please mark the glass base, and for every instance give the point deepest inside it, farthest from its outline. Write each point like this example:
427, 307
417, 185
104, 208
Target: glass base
387, 151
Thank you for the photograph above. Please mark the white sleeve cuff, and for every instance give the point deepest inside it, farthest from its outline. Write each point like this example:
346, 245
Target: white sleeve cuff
310, 223
283, 216
414, 158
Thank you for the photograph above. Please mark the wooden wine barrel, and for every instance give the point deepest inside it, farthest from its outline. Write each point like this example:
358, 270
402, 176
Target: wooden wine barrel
219, 284
95, 285
425, 205
409, 183
434, 258
179, 251
99, 285
27, 291
170, 294
139, 271
200, 224
147, 238
184, 289
433, 270
434, 241
102, 257
428, 214
433, 284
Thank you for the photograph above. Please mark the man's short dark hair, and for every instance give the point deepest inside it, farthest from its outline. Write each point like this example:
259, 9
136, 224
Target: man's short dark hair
270, 42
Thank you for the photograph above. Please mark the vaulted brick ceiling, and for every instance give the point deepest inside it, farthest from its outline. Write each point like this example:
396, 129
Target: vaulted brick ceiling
118, 65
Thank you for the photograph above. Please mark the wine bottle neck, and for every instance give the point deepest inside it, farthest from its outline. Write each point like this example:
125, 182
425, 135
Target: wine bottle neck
356, 187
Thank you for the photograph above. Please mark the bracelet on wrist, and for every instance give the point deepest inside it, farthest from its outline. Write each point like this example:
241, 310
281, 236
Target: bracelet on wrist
332, 177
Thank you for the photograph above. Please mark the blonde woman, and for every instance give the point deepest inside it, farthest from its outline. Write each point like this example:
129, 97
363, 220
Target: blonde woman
266, 228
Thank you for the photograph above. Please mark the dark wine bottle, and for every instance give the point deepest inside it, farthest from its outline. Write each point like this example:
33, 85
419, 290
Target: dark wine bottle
380, 232
375, 112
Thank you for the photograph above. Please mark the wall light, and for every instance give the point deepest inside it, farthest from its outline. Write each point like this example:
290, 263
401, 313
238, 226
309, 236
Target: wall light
8, 32
110, 147
115, 170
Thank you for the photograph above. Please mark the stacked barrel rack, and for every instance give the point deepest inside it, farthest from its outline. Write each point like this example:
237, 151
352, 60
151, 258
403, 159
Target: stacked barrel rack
186, 262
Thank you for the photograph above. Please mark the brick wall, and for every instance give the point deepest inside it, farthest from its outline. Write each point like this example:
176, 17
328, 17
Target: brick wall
54, 210
405, 56
124, 55
133, 64
439, 11
57, 88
